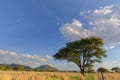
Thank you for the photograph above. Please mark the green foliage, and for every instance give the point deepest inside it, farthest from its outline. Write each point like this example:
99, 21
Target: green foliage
19, 68
101, 69
83, 52
3, 66
116, 69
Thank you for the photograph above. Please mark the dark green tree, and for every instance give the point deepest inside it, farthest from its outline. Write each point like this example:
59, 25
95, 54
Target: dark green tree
3, 66
83, 52
101, 69
19, 68
116, 69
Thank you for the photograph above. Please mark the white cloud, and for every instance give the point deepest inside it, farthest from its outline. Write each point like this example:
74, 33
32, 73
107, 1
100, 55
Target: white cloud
73, 30
42, 59
111, 47
103, 10
49, 57
103, 22
107, 47
24, 59
6, 52
12, 53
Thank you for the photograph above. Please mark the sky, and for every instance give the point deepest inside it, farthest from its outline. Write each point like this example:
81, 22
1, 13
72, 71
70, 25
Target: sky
32, 31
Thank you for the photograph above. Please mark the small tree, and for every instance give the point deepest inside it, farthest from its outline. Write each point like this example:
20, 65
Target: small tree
101, 69
116, 69
83, 52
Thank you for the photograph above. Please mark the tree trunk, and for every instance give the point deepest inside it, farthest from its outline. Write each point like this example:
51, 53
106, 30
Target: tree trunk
102, 75
83, 72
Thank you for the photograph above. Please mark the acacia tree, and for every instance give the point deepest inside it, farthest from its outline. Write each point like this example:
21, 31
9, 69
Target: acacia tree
82, 52
116, 69
101, 69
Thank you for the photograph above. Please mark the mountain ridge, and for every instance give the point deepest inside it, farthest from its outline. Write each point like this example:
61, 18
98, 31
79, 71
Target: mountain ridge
47, 68
40, 68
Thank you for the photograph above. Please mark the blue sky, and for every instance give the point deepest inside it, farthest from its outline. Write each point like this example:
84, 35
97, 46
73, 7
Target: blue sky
31, 31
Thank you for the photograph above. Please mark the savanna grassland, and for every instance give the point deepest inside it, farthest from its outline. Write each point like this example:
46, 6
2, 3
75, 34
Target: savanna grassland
24, 75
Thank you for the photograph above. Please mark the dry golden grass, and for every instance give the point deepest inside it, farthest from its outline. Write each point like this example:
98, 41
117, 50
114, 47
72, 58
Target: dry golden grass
12, 75
108, 76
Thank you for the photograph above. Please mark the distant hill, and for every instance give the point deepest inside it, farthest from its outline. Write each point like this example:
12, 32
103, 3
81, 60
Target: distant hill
25, 67
41, 68
47, 68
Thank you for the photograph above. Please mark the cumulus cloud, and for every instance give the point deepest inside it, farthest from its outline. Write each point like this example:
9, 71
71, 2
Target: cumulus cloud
24, 59
103, 22
73, 30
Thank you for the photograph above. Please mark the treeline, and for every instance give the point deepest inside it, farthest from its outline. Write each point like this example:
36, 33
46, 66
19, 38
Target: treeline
105, 70
17, 67
101, 69
114, 69
8, 67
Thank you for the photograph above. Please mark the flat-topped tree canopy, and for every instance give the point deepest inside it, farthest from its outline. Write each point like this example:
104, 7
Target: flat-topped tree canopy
83, 52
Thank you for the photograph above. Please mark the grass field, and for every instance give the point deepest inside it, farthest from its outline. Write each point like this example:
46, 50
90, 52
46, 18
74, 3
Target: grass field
12, 75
